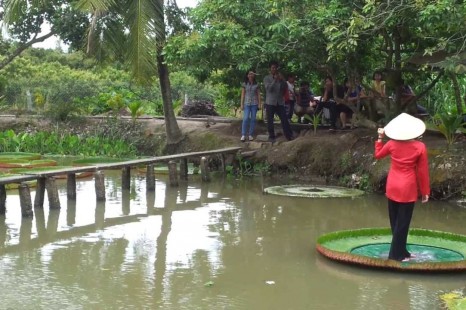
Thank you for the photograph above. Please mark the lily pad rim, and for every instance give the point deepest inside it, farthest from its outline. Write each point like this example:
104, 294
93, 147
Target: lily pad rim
350, 258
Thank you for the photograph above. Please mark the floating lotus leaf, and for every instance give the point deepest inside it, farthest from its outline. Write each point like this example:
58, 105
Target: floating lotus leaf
23, 163
313, 191
19, 155
433, 250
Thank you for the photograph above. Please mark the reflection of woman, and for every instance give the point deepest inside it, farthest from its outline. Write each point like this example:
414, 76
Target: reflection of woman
408, 171
250, 103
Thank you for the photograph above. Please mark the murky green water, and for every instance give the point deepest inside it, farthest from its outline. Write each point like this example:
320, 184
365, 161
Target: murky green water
221, 245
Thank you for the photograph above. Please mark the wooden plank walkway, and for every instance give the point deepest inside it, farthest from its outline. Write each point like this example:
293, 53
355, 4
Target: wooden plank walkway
46, 179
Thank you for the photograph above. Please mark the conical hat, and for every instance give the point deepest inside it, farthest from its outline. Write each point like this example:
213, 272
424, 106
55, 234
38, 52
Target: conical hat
404, 127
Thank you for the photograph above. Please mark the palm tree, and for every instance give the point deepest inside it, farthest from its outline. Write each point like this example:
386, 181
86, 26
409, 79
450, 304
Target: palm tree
135, 30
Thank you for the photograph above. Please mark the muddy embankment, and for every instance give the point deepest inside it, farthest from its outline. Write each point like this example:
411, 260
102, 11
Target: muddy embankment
339, 158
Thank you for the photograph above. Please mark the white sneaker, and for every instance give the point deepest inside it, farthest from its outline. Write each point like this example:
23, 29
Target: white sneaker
251, 138
243, 138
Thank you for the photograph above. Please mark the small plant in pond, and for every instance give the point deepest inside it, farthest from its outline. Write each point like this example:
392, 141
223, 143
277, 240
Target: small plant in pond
454, 300
448, 124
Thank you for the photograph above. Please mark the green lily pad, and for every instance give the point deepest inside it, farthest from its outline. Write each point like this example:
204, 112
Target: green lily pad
313, 191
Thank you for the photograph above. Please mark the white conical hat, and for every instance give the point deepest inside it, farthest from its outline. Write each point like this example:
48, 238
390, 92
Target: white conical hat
404, 127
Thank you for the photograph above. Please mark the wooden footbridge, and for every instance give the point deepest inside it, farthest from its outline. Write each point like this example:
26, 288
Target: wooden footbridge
46, 180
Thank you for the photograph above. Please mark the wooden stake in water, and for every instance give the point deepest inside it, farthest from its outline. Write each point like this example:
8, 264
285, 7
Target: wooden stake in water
71, 186
52, 193
99, 178
172, 173
126, 177
205, 174
25, 200
2, 199
150, 178
40, 193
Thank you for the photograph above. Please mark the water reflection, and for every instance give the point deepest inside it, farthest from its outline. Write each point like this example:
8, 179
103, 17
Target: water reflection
158, 250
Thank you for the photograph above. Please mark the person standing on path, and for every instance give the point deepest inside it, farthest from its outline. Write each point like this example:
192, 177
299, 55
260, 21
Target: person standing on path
275, 86
250, 103
407, 178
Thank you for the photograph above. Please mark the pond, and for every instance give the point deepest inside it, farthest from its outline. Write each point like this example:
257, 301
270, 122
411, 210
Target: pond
217, 245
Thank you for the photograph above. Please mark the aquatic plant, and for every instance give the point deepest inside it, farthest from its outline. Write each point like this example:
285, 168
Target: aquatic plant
57, 142
448, 125
454, 300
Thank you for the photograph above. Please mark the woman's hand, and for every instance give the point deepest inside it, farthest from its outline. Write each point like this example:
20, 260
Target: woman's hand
425, 198
380, 132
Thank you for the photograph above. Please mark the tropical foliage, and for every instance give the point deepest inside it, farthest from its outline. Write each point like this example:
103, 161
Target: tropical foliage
217, 41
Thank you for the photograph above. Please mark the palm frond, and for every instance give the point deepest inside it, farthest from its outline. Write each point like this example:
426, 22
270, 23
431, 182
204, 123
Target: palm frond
95, 5
13, 9
146, 25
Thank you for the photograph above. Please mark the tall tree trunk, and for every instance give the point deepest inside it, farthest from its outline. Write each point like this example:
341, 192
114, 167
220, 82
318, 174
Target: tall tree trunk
457, 91
171, 125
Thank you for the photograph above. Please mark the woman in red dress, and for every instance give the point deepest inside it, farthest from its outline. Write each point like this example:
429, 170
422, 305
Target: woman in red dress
407, 178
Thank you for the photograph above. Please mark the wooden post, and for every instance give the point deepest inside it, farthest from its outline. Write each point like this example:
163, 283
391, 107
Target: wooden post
172, 173
71, 186
184, 169
2, 199
40, 193
25, 200
205, 174
99, 178
150, 178
52, 193
126, 177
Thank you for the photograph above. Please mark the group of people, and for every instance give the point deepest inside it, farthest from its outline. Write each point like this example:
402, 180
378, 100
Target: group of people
284, 99
408, 177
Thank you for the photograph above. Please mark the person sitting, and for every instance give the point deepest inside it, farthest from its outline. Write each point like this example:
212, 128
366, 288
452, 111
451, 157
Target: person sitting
305, 102
334, 104
354, 93
378, 84
408, 98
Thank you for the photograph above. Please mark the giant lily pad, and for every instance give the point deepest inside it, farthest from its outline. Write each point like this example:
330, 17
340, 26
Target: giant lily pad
19, 155
433, 250
24, 163
313, 191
